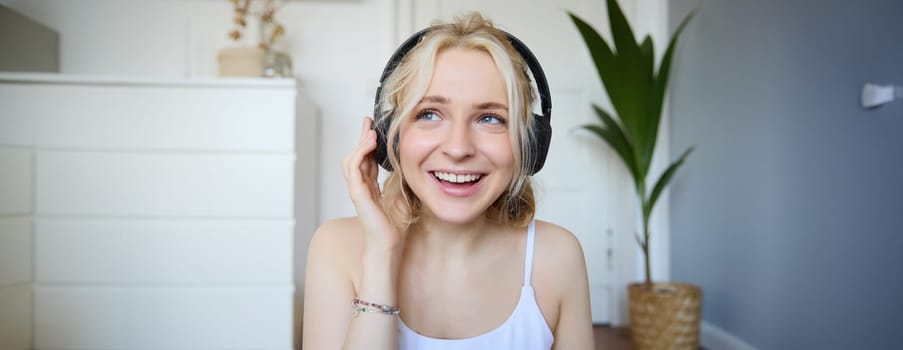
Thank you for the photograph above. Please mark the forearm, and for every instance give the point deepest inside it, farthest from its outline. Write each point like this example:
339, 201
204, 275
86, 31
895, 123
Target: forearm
379, 277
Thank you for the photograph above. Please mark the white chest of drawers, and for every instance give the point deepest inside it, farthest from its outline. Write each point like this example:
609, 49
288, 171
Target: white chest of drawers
148, 213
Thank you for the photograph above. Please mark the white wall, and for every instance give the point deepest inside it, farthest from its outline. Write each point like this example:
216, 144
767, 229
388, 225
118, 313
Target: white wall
338, 49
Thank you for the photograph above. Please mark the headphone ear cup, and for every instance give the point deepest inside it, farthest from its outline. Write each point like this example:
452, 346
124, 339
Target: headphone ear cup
543, 138
381, 153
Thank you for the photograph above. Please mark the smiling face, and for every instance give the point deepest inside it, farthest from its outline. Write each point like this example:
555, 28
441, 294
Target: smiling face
454, 148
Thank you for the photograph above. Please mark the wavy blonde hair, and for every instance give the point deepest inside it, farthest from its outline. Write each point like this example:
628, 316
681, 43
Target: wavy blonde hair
406, 86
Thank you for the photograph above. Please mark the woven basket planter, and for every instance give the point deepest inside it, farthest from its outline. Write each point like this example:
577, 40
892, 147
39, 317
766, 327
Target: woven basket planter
665, 316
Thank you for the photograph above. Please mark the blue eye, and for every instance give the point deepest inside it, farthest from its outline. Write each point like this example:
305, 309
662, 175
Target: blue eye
428, 114
491, 119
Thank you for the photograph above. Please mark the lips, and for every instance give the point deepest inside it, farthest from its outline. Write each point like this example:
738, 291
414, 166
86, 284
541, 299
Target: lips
458, 184
457, 178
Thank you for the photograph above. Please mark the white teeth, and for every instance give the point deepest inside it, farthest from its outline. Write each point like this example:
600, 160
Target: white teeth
456, 178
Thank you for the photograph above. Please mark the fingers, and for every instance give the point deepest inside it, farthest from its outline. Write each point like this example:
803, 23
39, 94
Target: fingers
366, 126
364, 145
359, 166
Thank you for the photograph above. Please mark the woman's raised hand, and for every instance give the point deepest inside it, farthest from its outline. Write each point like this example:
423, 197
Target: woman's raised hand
361, 172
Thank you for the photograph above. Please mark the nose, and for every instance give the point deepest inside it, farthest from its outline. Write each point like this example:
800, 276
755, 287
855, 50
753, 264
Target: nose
458, 143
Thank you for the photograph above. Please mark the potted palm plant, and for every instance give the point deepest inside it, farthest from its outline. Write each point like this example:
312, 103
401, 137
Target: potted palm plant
662, 315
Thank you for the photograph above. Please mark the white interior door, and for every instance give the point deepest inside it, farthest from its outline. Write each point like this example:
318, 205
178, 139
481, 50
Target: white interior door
583, 186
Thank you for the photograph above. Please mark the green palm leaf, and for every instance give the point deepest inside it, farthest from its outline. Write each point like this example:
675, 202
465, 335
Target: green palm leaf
611, 132
629, 93
660, 85
663, 181
647, 49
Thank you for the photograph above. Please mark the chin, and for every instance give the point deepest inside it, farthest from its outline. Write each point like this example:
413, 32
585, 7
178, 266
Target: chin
442, 206
456, 213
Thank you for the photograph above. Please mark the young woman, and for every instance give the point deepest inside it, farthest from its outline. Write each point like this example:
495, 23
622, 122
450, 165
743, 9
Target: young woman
448, 255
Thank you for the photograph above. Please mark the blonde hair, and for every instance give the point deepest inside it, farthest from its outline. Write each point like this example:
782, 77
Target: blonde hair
406, 86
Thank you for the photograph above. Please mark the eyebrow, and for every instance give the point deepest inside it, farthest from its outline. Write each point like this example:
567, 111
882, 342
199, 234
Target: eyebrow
444, 100
491, 105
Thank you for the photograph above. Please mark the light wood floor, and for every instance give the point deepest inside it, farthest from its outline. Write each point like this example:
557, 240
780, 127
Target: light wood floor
612, 338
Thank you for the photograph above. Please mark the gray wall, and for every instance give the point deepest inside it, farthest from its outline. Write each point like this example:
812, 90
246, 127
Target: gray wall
26, 45
789, 213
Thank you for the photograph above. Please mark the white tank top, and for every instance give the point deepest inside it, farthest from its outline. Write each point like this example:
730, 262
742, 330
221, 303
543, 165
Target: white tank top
525, 328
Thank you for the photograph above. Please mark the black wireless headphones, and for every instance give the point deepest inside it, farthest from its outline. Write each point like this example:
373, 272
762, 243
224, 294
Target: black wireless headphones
542, 134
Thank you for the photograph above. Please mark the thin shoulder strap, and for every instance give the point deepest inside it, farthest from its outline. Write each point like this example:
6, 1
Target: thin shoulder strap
528, 256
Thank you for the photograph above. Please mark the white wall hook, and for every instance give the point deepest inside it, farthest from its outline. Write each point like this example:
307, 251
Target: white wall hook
874, 95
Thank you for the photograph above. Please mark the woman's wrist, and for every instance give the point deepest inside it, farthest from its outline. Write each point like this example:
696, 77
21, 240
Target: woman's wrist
381, 259
383, 247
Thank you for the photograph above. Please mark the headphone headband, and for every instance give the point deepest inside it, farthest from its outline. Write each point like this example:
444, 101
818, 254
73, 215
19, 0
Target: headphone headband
543, 128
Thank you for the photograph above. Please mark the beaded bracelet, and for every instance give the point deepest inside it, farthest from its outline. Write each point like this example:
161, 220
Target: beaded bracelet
358, 306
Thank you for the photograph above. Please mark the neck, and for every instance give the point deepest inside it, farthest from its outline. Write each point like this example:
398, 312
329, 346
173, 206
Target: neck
449, 240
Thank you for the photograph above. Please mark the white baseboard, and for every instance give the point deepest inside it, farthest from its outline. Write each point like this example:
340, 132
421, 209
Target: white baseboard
714, 338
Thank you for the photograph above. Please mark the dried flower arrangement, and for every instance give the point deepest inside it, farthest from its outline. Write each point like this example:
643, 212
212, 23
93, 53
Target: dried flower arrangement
265, 11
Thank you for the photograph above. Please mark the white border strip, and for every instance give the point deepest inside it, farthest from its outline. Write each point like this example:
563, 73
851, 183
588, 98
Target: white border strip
714, 338
83, 79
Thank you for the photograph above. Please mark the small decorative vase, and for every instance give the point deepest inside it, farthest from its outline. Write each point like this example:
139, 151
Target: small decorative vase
241, 61
664, 316
277, 64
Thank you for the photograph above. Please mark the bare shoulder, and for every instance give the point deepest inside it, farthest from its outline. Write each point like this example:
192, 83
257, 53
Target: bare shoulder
338, 240
558, 261
559, 268
339, 230
558, 247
